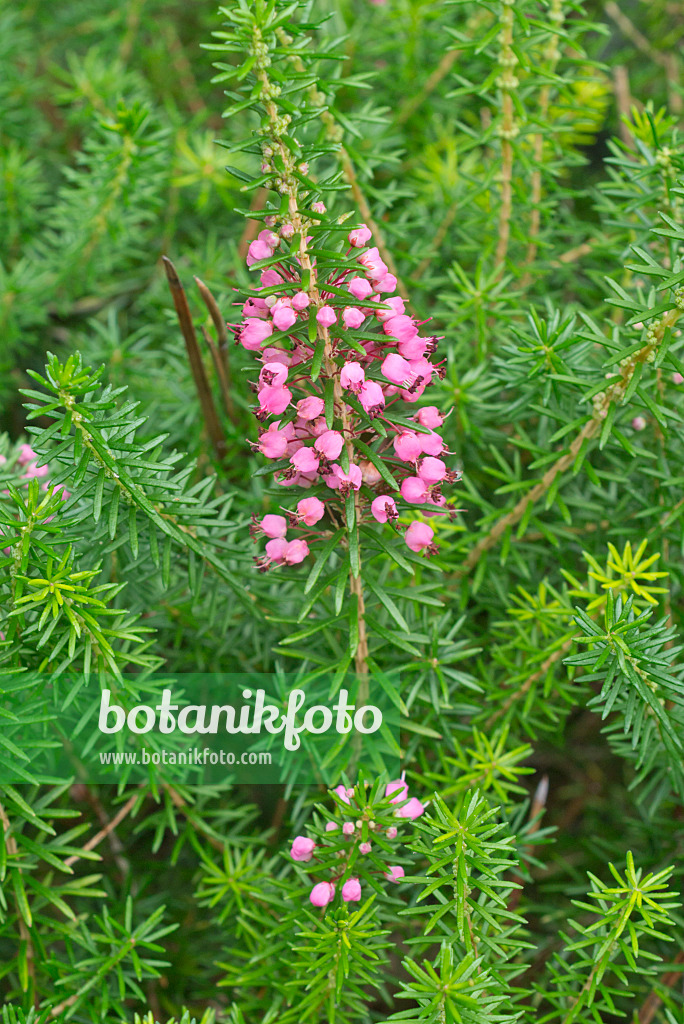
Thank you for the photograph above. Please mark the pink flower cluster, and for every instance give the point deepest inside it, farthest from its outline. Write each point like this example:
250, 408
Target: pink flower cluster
376, 366
304, 849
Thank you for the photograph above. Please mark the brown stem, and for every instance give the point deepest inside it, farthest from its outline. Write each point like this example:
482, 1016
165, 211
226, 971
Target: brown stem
529, 682
106, 831
653, 1000
219, 354
199, 373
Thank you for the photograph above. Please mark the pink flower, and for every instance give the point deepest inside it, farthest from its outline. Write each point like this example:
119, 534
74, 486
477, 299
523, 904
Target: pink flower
302, 849
395, 873
310, 510
395, 308
295, 552
398, 786
352, 377
388, 283
429, 416
344, 482
274, 399
396, 368
326, 316
26, 454
253, 333
275, 550
329, 444
255, 308
274, 526
408, 446
364, 847
300, 301
269, 238
372, 261
273, 373
372, 398
412, 809
258, 250
348, 828
352, 317
400, 327
419, 536
309, 408
359, 236
284, 317
322, 894
34, 470
305, 460
273, 442
351, 890
431, 444
412, 348
391, 832
432, 470
413, 489
360, 288
384, 508
343, 793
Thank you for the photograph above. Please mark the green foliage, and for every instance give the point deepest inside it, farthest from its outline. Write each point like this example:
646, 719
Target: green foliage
523, 167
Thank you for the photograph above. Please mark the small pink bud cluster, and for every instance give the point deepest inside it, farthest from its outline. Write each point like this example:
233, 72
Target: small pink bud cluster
303, 849
375, 362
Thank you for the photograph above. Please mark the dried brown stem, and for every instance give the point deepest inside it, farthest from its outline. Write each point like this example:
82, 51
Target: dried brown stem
199, 373
219, 354
520, 692
122, 813
653, 1000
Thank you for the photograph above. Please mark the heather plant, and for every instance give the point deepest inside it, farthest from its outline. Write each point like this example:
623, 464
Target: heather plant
412, 438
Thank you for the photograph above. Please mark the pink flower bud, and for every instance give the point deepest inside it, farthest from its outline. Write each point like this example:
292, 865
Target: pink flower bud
302, 849
388, 283
322, 894
284, 317
351, 890
274, 399
369, 474
274, 526
396, 368
352, 376
419, 536
395, 306
34, 470
430, 416
348, 828
329, 444
295, 552
398, 787
258, 250
384, 508
343, 793
408, 446
413, 809
639, 423
360, 288
432, 470
287, 231
318, 207
309, 408
253, 333
395, 873
300, 301
371, 397
330, 826
269, 238
311, 510
305, 460
352, 317
326, 316
677, 378
359, 236
364, 847
413, 489
391, 832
